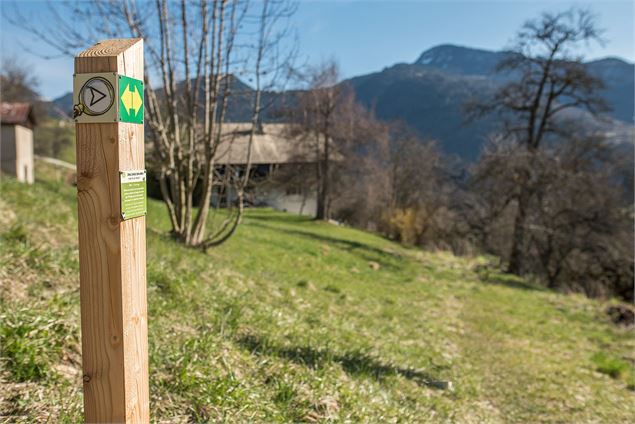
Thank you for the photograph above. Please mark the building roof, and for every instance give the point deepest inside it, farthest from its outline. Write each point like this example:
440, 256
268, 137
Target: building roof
273, 145
17, 114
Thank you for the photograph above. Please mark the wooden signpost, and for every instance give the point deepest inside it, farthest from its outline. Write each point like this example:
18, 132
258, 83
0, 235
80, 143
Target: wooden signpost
112, 244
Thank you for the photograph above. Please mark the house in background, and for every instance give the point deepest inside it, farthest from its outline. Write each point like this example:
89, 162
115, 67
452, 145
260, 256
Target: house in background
282, 166
16, 140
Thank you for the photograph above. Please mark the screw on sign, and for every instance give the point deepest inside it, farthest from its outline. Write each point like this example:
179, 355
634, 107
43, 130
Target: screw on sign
96, 97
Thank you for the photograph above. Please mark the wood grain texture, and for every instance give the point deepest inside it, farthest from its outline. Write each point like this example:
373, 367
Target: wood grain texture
112, 254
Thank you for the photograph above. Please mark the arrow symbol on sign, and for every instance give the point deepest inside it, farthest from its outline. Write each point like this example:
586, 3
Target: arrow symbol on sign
131, 99
95, 95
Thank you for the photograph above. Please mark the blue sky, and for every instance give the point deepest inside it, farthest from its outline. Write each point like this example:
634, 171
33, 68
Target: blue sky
367, 36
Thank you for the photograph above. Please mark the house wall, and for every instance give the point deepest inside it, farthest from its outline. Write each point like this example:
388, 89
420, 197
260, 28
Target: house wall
7, 150
278, 199
296, 196
299, 204
16, 152
24, 154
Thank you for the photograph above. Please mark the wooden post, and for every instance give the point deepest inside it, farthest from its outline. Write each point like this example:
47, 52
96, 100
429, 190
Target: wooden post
112, 253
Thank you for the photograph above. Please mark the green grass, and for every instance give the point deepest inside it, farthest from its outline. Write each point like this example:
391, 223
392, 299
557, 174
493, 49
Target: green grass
291, 321
610, 365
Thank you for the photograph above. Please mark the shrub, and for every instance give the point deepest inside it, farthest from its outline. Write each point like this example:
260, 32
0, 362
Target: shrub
15, 234
28, 343
609, 365
406, 224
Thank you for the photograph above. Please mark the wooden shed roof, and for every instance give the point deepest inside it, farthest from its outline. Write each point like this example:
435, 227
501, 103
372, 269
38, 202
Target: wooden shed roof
17, 114
273, 145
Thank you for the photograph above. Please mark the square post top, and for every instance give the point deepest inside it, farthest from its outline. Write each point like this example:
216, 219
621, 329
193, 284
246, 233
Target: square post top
120, 55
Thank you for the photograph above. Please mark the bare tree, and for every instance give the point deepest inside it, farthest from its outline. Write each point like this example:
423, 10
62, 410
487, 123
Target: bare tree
345, 141
269, 66
194, 50
579, 221
420, 191
414, 163
359, 184
17, 82
315, 116
547, 79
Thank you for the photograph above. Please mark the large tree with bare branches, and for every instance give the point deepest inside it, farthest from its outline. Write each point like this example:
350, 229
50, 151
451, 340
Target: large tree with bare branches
547, 78
194, 51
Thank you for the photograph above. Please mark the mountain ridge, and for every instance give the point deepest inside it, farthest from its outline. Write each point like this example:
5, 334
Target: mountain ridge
445, 77
429, 94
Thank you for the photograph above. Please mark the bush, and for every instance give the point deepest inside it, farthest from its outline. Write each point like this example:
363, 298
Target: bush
30, 344
611, 366
15, 234
405, 225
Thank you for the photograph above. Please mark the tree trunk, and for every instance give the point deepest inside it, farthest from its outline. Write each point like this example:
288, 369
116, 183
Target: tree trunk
303, 204
518, 238
323, 191
320, 213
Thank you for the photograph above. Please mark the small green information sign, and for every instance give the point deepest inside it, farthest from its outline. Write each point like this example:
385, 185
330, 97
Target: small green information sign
130, 100
133, 193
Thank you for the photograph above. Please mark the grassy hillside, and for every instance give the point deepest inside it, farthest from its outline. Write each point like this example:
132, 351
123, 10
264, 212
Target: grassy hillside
298, 321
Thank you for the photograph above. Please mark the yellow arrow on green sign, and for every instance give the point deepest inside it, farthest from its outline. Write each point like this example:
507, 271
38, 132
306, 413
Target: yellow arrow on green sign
130, 100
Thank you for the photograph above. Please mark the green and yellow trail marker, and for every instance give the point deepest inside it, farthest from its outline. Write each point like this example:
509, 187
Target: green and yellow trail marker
130, 100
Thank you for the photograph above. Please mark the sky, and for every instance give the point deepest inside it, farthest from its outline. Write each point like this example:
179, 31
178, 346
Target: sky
366, 36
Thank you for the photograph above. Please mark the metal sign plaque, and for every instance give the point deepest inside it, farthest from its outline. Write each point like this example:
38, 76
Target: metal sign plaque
107, 97
94, 97
130, 100
134, 199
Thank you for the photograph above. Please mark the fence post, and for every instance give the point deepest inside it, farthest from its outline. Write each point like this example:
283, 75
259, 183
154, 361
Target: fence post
112, 236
